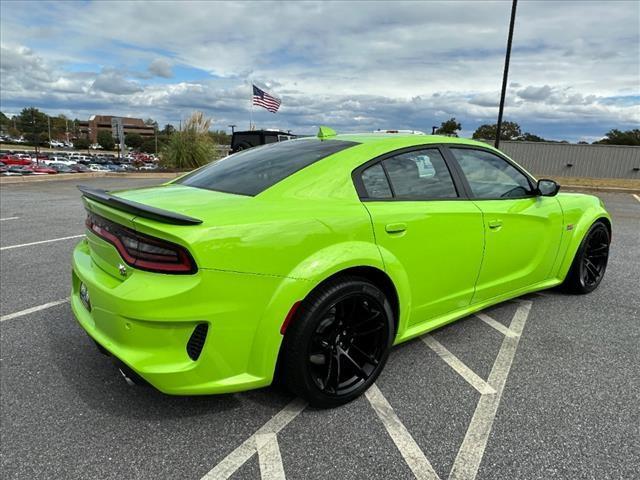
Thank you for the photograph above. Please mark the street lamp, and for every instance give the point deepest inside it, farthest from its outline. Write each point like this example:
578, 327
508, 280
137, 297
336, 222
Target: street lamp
506, 72
233, 128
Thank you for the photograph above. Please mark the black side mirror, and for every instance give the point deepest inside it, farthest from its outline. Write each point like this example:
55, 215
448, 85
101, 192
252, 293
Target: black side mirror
547, 188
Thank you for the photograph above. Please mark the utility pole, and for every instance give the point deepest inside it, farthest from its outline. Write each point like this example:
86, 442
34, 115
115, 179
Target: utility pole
506, 72
233, 128
433, 130
33, 130
155, 131
49, 125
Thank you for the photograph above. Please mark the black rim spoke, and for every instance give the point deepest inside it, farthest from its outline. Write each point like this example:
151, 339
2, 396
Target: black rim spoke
594, 260
348, 344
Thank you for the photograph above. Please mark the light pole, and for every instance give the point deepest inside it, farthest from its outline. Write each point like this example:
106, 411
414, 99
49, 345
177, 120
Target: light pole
233, 128
506, 72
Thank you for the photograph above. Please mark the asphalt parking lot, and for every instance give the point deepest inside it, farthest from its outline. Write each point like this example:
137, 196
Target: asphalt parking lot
547, 386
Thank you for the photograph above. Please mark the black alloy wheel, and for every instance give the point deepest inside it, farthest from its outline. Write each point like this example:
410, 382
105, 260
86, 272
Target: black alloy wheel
590, 261
337, 344
348, 344
595, 257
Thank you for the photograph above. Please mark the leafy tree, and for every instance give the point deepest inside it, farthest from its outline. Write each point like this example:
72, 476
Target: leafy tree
81, 143
133, 140
509, 131
220, 137
168, 129
619, 137
32, 122
105, 140
530, 137
450, 128
190, 147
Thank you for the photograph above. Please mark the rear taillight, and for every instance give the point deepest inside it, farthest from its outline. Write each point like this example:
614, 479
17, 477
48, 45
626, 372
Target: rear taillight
142, 251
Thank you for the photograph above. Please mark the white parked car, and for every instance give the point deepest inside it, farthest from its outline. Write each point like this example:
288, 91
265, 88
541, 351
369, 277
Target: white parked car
94, 167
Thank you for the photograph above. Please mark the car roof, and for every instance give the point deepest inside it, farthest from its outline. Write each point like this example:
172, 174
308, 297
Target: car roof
400, 140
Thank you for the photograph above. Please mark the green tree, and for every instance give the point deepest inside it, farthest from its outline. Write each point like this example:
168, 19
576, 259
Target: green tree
168, 129
192, 146
220, 137
133, 140
620, 137
105, 140
32, 122
81, 143
530, 137
509, 131
449, 128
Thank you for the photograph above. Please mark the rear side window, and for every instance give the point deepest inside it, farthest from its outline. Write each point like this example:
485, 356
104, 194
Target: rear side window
375, 182
252, 171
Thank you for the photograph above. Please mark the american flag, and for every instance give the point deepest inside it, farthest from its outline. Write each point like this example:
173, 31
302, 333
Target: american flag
263, 99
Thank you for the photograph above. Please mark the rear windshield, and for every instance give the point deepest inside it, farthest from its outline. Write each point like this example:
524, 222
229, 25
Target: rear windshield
251, 171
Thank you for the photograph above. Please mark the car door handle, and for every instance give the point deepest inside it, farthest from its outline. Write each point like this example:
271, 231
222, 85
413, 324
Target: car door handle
395, 227
495, 224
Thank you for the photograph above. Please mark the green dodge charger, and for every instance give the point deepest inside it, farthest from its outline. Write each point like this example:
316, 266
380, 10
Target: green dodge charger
306, 260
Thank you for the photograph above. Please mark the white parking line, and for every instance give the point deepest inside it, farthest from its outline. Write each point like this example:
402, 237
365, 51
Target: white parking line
461, 369
21, 313
475, 441
269, 457
506, 331
246, 450
407, 446
41, 241
8, 218
637, 197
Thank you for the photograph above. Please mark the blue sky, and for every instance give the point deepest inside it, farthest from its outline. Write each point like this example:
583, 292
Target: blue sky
575, 71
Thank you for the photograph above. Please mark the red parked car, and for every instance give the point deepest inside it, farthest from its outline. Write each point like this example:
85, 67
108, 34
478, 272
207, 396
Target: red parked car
42, 169
11, 160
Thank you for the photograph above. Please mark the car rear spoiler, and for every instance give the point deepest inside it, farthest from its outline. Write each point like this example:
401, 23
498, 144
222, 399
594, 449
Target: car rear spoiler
139, 209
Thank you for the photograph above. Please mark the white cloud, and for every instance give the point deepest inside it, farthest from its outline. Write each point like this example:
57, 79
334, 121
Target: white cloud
354, 64
160, 68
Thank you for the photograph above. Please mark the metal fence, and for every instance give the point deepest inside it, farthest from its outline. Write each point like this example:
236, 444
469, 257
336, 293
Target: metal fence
570, 160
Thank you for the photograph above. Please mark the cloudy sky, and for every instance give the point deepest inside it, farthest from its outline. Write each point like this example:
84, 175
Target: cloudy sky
355, 66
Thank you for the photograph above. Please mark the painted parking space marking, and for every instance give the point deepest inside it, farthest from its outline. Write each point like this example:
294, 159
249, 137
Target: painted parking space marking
40, 242
264, 441
249, 447
269, 457
38, 308
506, 331
474, 444
8, 218
409, 449
461, 369
637, 197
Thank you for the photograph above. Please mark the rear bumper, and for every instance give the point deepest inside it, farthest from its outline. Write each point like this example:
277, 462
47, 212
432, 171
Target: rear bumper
146, 321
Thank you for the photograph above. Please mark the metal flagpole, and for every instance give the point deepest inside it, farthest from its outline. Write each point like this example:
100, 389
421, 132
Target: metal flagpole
251, 107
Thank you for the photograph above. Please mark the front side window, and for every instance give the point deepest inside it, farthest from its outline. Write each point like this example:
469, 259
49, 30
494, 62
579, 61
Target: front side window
490, 176
375, 182
420, 174
250, 172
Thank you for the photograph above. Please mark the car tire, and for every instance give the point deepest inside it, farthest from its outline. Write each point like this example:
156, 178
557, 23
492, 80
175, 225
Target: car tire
590, 262
338, 342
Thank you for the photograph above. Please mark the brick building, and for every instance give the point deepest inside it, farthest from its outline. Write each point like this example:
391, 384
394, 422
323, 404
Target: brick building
97, 123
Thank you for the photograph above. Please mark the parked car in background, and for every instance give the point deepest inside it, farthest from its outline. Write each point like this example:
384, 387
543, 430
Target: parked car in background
3, 167
62, 168
79, 168
41, 169
94, 167
253, 138
19, 170
15, 160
